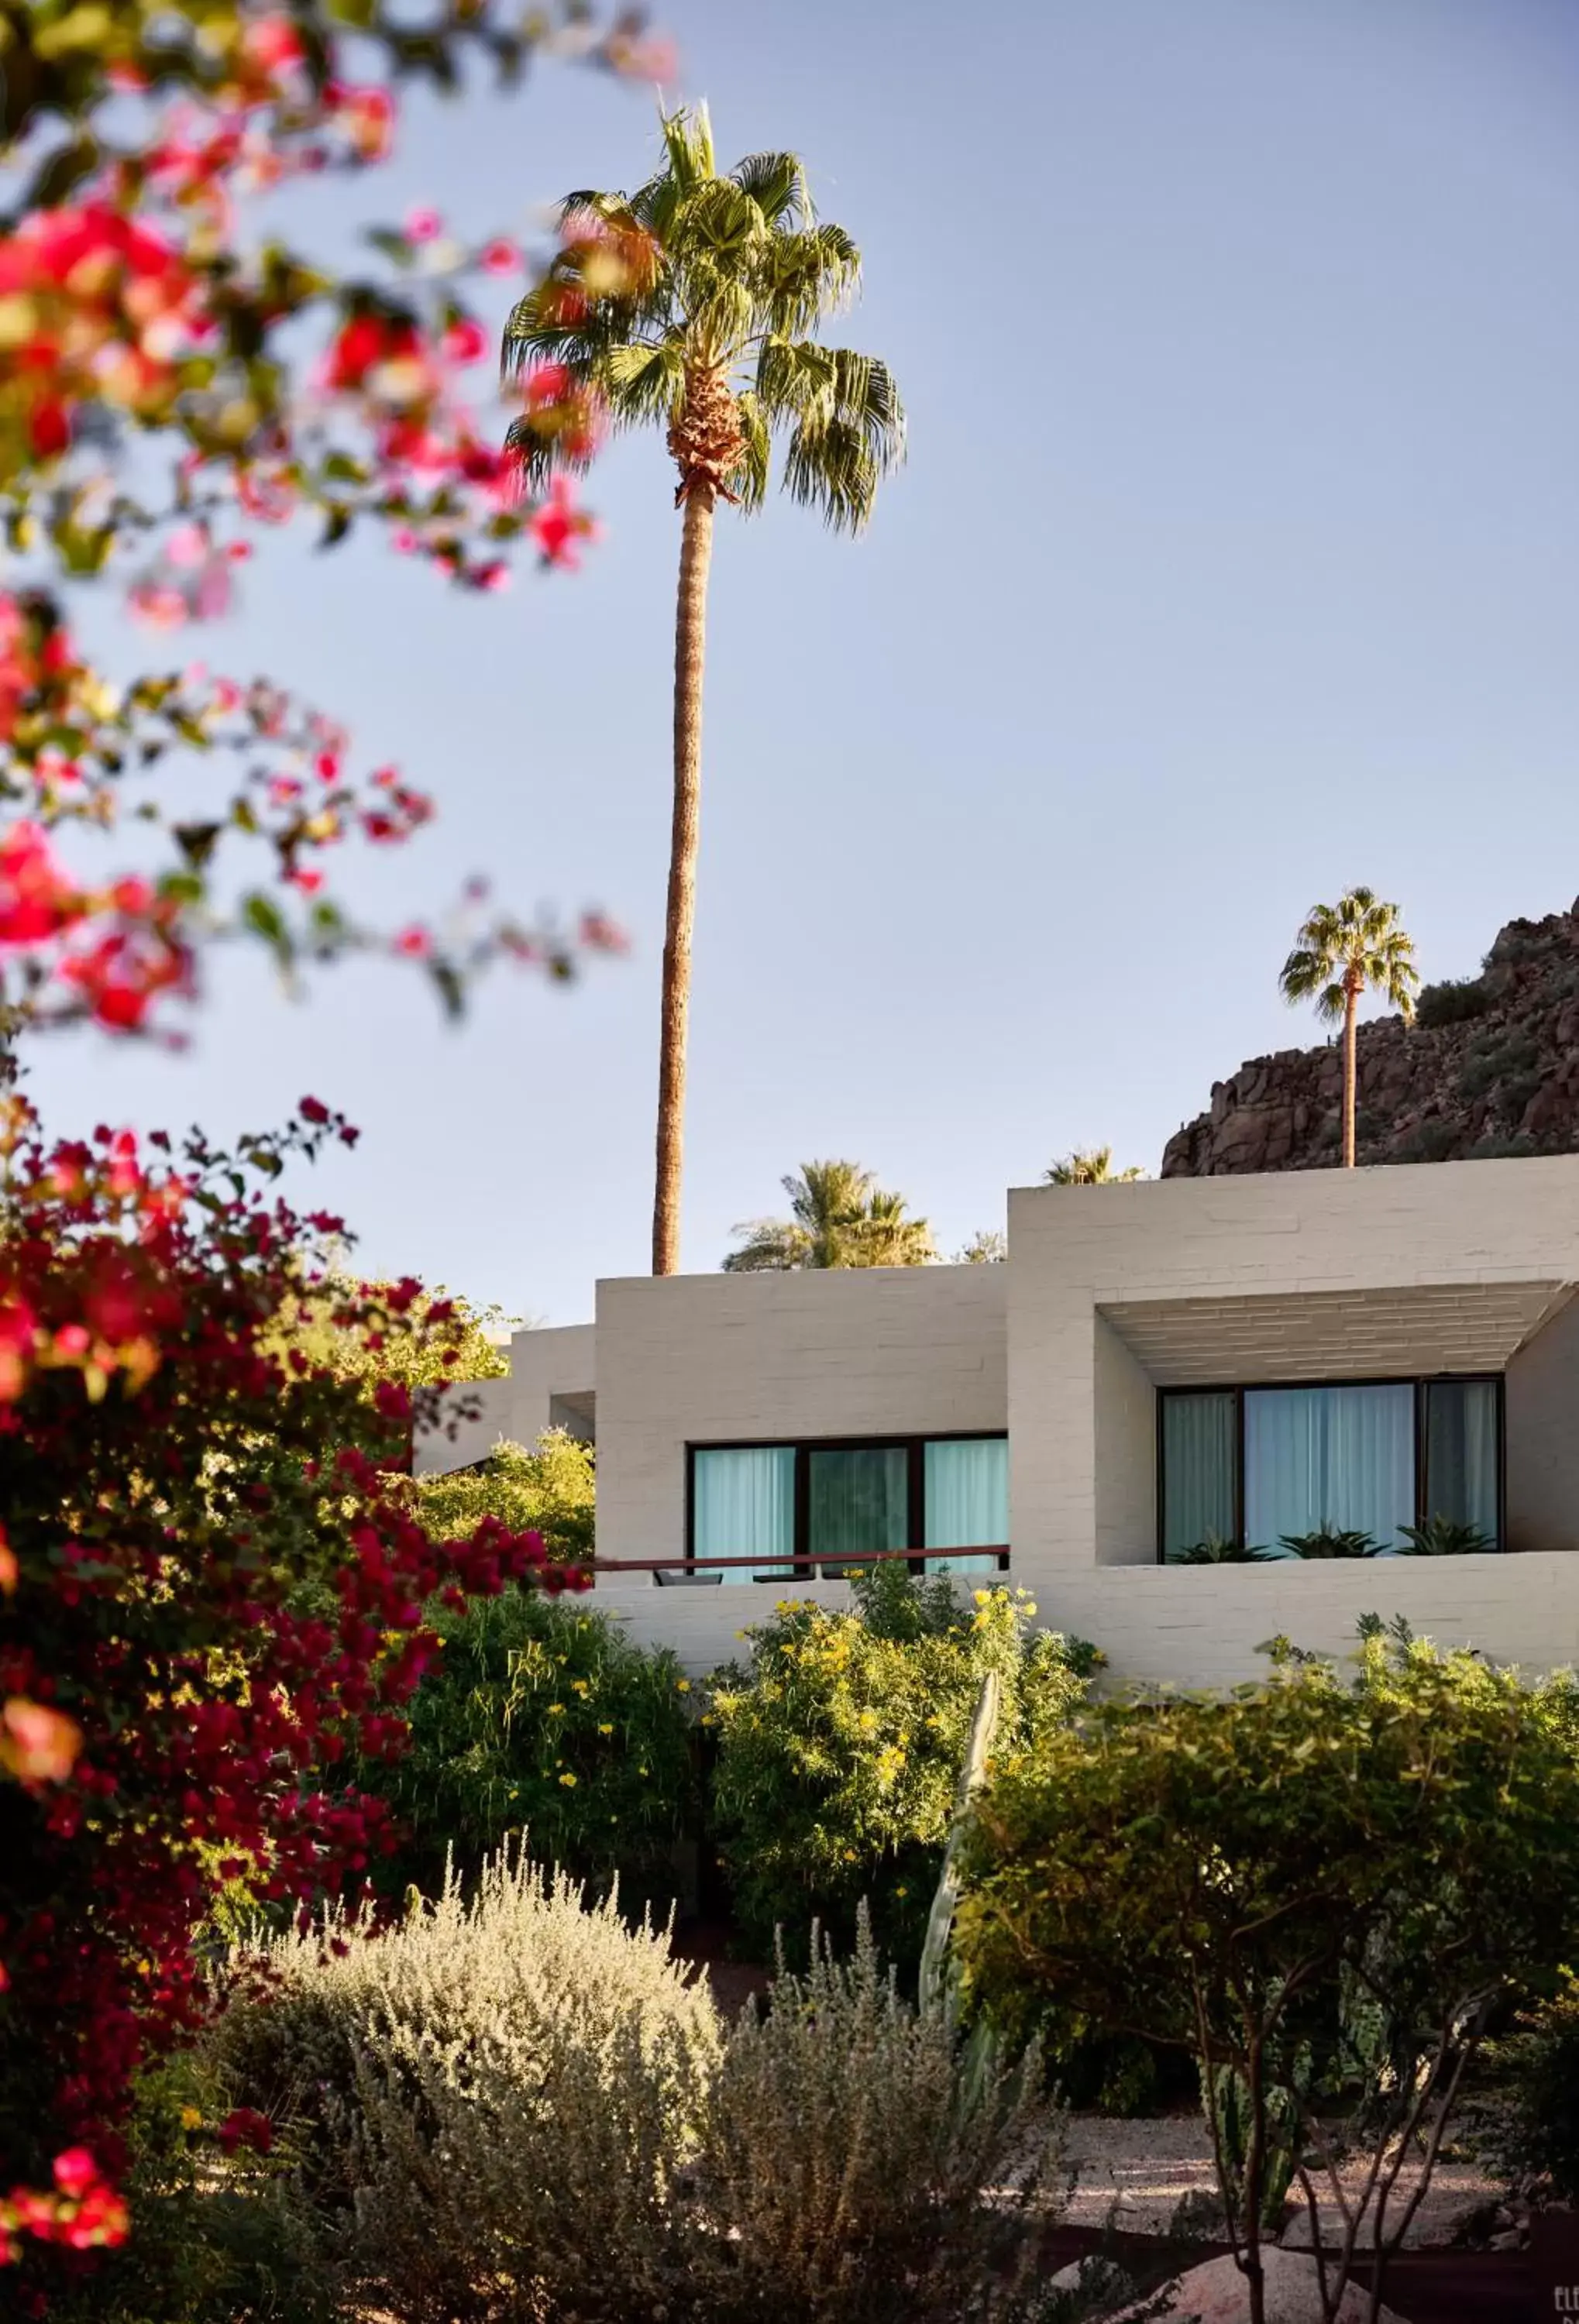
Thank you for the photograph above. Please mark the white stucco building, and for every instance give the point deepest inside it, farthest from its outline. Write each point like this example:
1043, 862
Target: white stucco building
1155, 1366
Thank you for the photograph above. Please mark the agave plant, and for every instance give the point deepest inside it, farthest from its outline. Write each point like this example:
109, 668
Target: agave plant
1332, 1541
1216, 1550
1442, 1536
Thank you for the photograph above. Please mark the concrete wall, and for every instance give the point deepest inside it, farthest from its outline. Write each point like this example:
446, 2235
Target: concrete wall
1489, 1245
1125, 1423
1543, 1437
694, 1360
545, 1367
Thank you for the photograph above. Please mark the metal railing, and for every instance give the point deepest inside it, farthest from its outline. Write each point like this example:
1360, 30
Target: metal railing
807, 1564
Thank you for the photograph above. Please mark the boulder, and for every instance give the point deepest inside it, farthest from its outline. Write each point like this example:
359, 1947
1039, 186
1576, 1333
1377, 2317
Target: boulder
1215, 2293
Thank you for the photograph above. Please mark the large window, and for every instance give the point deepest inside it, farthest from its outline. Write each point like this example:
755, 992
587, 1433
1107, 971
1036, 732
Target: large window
1271, 1466
827, 1504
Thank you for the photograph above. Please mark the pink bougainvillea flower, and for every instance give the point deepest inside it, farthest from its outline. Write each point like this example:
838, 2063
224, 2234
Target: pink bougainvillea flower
501, 256
75, 2172
465, 341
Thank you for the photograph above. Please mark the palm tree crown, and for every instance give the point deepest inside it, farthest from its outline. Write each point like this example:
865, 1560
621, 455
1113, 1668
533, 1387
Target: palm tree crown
1345, 949
693, 303
1354, 945
1090, 1166
839, 1217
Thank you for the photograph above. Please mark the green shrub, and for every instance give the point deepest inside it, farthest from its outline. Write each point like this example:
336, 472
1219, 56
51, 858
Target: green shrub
1454, 1001
1497, 1056
552, 1489
215, 2239
849, 2159
1318, 1889
1431, 1141
491, 2105
840, 1745
540, 1715
1530, 2123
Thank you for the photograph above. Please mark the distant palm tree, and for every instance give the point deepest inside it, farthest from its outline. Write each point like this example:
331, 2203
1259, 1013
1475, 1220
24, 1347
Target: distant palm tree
839, 1217
692, 305
1090, 1166
1342, 950
988, 1247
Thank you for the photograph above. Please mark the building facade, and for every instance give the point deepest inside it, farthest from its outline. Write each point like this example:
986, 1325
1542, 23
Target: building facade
1161, 1376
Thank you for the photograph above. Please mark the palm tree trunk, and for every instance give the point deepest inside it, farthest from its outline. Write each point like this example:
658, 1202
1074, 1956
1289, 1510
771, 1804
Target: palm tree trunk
690, 629
1351, 1010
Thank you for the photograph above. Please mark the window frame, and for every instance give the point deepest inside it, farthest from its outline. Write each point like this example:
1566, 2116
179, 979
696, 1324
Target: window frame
808, 1566
1421, 1383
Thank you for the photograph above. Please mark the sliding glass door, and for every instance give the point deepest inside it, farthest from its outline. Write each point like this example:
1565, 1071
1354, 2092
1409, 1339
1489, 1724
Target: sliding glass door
1262, 1467
1337, 1458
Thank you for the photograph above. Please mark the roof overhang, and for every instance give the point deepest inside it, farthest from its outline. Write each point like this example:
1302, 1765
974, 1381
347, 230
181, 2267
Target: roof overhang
1400, 1332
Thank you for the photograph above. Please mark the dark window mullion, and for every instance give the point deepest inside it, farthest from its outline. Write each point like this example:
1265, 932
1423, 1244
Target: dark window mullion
916, 1514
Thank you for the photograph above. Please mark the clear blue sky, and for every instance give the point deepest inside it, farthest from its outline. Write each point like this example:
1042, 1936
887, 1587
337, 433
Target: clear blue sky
1237, 559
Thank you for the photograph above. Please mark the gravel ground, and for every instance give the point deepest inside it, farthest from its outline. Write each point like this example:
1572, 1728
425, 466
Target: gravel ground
1137, 2173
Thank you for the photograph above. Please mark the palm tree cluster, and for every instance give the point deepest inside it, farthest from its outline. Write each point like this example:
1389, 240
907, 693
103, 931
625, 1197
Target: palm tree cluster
693, 305
1342, 950
1090, 1166
838, 1217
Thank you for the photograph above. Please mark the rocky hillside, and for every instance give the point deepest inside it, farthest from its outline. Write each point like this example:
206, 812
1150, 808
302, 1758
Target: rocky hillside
1490, 1066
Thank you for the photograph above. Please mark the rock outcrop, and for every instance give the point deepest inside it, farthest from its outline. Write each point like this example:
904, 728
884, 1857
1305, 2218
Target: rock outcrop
1491, 1066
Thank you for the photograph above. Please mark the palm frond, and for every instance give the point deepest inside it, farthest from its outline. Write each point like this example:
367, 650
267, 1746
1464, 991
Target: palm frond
643, 383
749, 481
806, 276
688, 146
777, 183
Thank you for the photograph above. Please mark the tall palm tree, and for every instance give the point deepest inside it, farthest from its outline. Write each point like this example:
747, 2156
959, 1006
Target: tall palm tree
1342, 950
839, 1217
1090, 1166
692, 305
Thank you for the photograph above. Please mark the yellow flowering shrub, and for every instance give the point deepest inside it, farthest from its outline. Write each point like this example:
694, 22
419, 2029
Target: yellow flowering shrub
540, 1716
840, 1743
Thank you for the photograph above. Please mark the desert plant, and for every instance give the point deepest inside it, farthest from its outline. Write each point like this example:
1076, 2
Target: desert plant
692, 306
1323, 1886
551, 1490
839, 1217
1441, 1536
1453, 1001
1216, 1550
850, 2156
493, 2100
1341, 951
840, 1746
540, 1714
1332, 1541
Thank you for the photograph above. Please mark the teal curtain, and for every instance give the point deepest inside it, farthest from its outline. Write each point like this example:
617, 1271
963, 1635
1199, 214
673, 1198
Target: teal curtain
966, 1499
1329, 1456
1460, 1454
859, 1499
1199, 1457
743, 1504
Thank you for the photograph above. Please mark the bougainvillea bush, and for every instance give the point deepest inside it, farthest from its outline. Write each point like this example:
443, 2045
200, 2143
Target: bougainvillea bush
540, 1716
210, 1589
214, 1592
840, 1746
